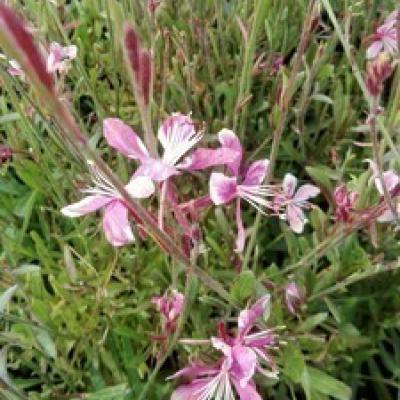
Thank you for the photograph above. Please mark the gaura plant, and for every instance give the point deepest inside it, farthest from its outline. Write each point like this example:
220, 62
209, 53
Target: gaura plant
247, 350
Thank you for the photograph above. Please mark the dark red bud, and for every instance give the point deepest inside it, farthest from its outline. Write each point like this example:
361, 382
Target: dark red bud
19, 43
5, 154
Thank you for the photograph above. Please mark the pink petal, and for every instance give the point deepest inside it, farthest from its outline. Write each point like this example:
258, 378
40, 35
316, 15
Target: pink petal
156, 169
140, 187
244, 364
306, 192
205, 158
289, 184
192, 391
248, 317
228, 139
194, 370
387, 216
256, 172
220, 345
249, 392
85, 206
176, 125
222, 188
116, 224
374, 49
295, 217
241, 235
390, 180
124, 139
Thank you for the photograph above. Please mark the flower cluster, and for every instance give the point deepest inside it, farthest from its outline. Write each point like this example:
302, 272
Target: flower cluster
178, 136
243, 356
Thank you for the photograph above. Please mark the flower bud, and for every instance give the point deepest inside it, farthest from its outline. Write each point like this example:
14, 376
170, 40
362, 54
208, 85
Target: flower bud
293, 297
378, 71
344, 201
5, 154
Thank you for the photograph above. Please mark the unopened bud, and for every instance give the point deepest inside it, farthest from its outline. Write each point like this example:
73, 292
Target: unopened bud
378, 71
5, 154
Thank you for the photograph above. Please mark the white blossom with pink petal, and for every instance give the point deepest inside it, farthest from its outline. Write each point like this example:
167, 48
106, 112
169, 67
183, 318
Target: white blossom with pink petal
116, 225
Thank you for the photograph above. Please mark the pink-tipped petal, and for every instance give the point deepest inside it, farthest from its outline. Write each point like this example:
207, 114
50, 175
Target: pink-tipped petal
256, 172
295, 217
156, 169
116, 224
192, 391
85, 206
374, 49
248, 317
178, 125
390, 180
222, 188
289, 184
241, 234
306, 192
140, 187
229, 140
123, 138
204, 158
244, 364
249, 392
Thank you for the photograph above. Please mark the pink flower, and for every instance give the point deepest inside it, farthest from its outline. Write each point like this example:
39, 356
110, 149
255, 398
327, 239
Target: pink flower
116, 225
243, 356
391, 180
170, 305
289, 203
218, 382
15, 69
59, 57
245, 182
385, 37
293, 297
177, 135
345, 202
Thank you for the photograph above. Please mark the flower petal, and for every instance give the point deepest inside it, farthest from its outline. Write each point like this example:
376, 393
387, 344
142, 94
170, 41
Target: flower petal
249, 392
374, 49
205, 158
156, 169
140, 187
390, 180
244, 364
116, 224
256, 172
241, 234
289, 184
306, 192
228, 139
222, 188
85, 206
296, 218
123, 138
248, 317
192, 391
177, 135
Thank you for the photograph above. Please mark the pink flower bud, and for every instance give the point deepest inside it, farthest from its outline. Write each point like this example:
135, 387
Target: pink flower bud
378, 71
293, 297
170, 305
152, 5
18, 42
139, 61
5, 154
345, 201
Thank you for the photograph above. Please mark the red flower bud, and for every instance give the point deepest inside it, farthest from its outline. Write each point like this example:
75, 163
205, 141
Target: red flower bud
18, 42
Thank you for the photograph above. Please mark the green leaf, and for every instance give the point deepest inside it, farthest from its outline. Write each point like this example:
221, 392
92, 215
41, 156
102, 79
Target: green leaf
243, 287
312, 322
293, 363
6, 297
47, 344
326, 384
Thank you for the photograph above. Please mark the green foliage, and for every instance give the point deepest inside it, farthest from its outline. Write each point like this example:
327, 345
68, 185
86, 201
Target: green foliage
76, 317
